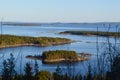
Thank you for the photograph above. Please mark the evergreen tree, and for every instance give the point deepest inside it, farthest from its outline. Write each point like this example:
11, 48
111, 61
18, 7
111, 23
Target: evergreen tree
5, 71
11, 66
28, 72
59, 70
36, 69
58, 73
8, 72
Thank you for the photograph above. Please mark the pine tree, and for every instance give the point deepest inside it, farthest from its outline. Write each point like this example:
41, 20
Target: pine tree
8, 72
5, 71
28, 72
36, 69
11, 66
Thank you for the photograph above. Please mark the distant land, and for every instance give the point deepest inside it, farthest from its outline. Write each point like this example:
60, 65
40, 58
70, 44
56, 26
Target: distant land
91, 33
55, 23
20, 24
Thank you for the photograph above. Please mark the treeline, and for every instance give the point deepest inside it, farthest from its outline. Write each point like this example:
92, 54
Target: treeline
58, 54
42, 41
99, 33
33, 73
30, 72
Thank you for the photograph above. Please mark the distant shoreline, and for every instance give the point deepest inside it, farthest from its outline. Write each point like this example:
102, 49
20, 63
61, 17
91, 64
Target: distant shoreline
21, 24
93, 33
56, 23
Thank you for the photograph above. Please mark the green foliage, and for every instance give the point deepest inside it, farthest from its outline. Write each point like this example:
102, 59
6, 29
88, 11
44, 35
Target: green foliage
11, 65
43, 75
28, 72
59, 70
5, 71
19, 77
42, 41
56, 76
58, 54
36, 70
8, 71
115, 69
99, 33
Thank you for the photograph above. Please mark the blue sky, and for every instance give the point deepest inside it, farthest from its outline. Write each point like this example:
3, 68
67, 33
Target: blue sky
60, 10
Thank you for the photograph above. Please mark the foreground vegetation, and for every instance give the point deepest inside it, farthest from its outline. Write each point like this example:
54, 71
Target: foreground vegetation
59, 56
12, 40
88, 33
33, 72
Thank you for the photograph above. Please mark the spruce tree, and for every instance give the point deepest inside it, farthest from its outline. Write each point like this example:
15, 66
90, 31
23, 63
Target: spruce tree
5, 71
28, 72
36, 69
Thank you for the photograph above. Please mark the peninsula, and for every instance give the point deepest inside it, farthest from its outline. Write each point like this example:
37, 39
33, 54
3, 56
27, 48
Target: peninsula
13, 40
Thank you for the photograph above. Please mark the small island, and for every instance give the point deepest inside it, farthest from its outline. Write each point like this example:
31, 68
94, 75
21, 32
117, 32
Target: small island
13, 41
60, 56
90, 33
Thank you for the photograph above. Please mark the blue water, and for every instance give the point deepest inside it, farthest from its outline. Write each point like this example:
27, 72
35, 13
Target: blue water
83, 44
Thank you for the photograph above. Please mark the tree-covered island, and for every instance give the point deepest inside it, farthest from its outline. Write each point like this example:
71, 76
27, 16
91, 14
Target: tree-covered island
13, 40
60, 56
90, 33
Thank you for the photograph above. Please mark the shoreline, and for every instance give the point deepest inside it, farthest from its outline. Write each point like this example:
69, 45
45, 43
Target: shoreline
46, 61
38, 45
81, 57
15, 41
65, 60
93, 33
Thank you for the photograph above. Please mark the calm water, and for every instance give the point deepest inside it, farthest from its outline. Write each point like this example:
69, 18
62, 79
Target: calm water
83, 44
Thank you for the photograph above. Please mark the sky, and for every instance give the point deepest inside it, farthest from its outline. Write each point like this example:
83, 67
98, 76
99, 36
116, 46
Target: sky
60, 10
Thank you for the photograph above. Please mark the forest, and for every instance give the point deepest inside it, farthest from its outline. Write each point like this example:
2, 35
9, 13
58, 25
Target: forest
33, 72
58, 54
89, 33
13, 40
